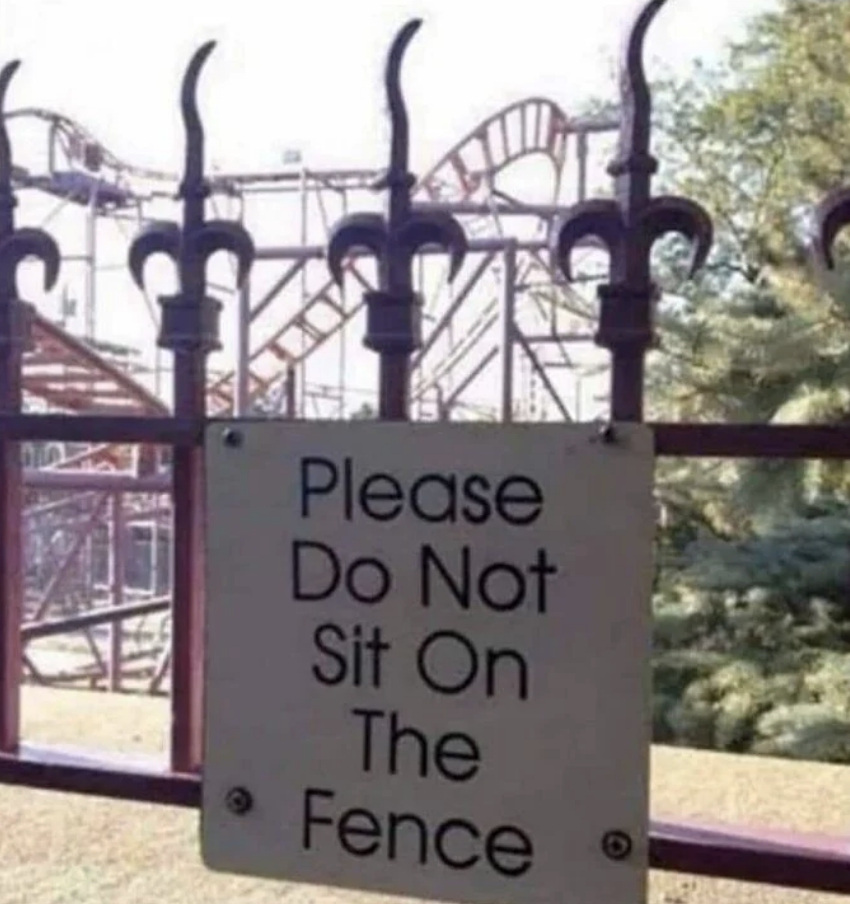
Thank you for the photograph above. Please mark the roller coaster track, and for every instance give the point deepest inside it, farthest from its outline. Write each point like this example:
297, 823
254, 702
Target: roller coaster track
67, 374
468, 172
64, 373
534, 126
294, 340
531, 126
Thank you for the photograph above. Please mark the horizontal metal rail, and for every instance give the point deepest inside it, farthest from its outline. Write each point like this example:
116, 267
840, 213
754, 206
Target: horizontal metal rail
812, 441
105, 616
804, 861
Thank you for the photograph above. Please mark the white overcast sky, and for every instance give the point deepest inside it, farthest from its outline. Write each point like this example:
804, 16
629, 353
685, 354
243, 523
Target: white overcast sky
293, 74
308, 76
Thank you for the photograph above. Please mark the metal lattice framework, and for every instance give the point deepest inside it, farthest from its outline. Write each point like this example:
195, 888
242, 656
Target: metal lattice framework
91, 505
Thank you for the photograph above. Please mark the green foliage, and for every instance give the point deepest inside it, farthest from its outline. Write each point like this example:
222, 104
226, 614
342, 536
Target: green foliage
759, 337
752, 640
752, 631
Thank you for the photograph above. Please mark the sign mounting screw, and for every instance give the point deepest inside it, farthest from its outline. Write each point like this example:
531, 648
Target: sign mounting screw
239, 801
231, 438
608, 434
616, 845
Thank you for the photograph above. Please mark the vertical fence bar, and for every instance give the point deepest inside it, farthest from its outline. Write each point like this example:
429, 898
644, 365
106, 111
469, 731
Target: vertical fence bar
508, 330
290, 393
629, 224
190, 329
627, 334
184, 333
15, 320
11, 584
241, 381
11, 581
188, 574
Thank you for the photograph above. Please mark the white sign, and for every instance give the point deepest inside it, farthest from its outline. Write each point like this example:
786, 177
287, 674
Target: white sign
428, 658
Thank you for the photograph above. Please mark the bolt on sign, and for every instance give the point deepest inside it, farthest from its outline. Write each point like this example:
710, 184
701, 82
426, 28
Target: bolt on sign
428, 658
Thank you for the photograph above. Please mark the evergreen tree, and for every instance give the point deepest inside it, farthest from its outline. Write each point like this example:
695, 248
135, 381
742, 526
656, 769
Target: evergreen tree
760, 336
753, 597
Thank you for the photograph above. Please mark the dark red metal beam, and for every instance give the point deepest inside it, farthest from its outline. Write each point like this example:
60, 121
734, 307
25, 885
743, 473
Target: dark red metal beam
11, 581
187, 497
698, 440
165, 431
55, 769
15, 334
753, 440
790, 859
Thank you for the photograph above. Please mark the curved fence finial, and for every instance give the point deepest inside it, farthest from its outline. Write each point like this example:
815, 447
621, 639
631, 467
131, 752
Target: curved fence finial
400, 146
629, 225
394, 328
7, 198
193, 174
831, 217
635, 97
190, 319
16, 245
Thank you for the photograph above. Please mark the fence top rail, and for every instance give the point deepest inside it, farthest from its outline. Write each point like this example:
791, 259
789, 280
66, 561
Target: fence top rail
708, 440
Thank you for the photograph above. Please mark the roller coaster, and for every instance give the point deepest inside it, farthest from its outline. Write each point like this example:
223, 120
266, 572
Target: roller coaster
508, 340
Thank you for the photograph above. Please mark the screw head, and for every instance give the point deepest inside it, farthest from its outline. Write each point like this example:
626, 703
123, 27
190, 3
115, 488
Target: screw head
231, 438
239, 801
616, 845
608, 434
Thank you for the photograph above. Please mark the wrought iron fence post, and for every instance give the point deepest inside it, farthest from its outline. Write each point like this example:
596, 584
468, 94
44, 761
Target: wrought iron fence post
190, 329
15, 323
629, 225
394, 311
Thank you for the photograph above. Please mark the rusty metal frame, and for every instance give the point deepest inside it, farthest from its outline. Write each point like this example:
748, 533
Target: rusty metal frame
627, 225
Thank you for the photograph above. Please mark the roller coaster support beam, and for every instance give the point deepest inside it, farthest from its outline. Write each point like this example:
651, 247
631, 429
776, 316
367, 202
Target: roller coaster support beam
37, 630
473, 246
95, 481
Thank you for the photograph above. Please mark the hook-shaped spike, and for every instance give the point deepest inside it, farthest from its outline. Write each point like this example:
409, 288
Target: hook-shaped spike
223, 235
398, 112
194, 170
600, 219
669, 214
635, 99
437, 229
358, 230
6, 74
832, 216
29, 242
156, 238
